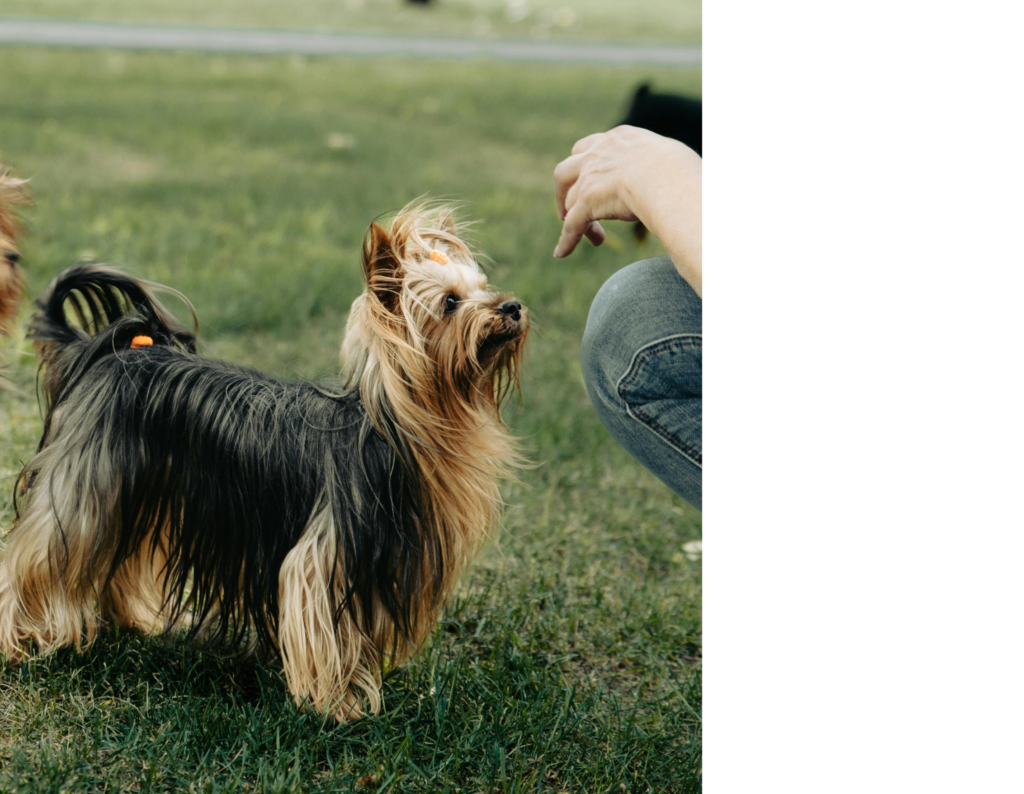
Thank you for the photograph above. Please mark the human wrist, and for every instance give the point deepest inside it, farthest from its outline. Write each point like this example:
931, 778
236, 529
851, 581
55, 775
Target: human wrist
658, 181
666, 198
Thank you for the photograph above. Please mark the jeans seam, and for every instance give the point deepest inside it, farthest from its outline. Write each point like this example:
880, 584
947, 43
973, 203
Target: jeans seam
639, 357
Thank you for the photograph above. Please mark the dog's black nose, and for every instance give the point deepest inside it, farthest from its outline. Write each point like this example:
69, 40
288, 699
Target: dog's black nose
511, 308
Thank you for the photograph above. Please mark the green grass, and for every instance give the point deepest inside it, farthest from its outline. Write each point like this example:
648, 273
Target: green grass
609, 20
570, 658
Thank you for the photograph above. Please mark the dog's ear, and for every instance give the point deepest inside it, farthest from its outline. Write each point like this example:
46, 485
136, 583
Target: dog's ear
382, 268
446, 222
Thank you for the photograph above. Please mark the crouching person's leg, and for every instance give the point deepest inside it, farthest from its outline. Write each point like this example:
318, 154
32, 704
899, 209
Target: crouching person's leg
641, 359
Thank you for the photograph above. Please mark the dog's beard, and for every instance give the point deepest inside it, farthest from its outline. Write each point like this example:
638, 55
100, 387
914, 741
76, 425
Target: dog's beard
501, 356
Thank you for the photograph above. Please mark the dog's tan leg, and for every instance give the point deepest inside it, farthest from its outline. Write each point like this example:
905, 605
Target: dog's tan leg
43, 594
136, 595
331, 666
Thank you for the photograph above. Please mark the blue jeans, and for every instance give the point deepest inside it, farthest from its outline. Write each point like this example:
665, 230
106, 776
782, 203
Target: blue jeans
641, 358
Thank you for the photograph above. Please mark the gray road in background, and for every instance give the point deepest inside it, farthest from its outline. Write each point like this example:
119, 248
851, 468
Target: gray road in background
281, 42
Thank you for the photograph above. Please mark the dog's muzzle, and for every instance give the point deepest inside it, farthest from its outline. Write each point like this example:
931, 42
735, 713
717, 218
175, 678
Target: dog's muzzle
511, 309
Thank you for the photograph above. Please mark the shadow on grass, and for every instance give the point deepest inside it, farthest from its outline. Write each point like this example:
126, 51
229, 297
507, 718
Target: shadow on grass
475, 709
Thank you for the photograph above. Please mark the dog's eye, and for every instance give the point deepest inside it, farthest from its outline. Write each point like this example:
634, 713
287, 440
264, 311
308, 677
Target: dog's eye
451, 303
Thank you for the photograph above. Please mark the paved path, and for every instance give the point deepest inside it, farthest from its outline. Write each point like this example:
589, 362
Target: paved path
159, 37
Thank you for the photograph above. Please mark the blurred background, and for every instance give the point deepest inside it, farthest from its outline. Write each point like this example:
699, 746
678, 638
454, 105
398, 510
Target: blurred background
673, 21
247, 182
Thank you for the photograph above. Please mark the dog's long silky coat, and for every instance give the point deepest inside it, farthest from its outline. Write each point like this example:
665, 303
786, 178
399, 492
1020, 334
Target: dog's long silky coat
324, 522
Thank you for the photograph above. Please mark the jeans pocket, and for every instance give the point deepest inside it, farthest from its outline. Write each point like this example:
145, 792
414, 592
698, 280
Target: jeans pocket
662, 389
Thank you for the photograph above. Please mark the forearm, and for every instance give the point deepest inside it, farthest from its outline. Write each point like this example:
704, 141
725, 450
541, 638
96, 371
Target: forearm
666, 197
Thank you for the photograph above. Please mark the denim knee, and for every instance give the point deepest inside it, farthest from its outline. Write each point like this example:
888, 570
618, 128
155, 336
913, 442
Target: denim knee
641, 361
624, 317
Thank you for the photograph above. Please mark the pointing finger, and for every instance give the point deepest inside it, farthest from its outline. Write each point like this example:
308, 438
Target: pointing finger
576, 223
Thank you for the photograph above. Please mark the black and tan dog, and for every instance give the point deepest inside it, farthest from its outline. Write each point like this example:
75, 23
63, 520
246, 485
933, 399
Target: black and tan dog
323, 522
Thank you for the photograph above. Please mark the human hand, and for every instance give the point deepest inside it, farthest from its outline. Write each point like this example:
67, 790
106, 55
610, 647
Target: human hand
632, 174
595, 182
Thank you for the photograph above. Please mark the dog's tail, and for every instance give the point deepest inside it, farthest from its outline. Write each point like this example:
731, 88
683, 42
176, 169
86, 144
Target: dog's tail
92, 311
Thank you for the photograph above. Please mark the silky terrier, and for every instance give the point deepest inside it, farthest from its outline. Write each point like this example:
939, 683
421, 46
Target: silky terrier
13, 193
324, 523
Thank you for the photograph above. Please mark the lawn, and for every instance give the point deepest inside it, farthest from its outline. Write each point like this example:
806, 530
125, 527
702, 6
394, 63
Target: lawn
670, 21
570, 658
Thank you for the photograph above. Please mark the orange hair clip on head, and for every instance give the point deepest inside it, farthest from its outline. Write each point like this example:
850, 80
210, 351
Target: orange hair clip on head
141, 341
439, 256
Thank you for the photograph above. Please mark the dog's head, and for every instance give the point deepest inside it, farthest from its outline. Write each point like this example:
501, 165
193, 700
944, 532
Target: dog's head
428, 330
12, 194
